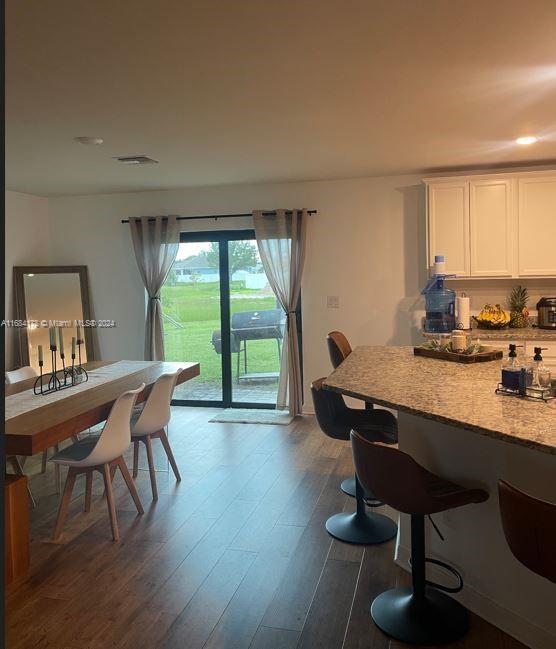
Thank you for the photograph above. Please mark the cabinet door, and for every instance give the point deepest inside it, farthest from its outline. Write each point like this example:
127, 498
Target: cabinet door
537, 226
449, 225
490, 225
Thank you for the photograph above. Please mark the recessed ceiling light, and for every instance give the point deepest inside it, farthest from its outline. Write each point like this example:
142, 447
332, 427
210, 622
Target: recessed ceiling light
86, 139
526, 139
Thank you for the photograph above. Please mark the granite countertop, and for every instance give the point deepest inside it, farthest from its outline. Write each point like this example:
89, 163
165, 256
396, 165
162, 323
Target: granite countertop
453, 393
527, 333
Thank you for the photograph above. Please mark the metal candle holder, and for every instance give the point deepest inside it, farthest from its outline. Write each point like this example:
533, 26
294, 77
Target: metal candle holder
61, 379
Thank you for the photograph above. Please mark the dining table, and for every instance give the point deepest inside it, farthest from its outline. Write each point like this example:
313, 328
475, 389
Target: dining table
35, 422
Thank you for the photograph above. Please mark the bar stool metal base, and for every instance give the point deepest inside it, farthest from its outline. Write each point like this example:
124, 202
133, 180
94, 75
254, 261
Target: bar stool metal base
348, 487
361, 529
432, 620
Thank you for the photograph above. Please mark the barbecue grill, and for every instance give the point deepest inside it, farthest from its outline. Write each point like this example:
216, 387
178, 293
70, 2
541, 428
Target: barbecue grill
253, 325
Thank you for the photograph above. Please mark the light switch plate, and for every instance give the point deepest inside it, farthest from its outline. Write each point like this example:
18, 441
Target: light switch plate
333, 301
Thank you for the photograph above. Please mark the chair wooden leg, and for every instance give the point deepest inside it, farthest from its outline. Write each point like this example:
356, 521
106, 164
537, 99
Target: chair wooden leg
168, 449
57, 475
110, 501
18, 470
64, 503
135, 459
152, 472
130, 485
88, 490
44, 460
112, 474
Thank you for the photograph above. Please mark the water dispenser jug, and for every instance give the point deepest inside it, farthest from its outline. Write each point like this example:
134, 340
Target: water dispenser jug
440, 302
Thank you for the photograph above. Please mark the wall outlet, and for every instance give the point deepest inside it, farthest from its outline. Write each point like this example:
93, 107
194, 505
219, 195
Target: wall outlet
333, 301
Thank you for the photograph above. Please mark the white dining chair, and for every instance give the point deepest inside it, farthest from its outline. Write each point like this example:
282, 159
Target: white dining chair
150, 423
17, 468
22, 374
13, 376
104, 454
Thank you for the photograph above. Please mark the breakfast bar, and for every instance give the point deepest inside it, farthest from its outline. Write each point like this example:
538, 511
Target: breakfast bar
452, 422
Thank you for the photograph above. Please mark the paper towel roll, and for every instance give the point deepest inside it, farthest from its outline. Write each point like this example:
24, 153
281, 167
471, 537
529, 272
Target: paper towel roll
462, 309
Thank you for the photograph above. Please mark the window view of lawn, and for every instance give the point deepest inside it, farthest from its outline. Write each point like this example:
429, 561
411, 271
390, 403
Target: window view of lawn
191, 307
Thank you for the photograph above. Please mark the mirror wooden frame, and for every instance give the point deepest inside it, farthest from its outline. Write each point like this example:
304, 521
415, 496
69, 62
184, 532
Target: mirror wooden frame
21, 313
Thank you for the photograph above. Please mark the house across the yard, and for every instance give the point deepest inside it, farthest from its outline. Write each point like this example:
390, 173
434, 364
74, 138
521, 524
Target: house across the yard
197, 268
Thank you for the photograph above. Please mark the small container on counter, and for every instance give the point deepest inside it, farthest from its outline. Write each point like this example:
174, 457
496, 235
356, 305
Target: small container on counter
458, 340
541, 373
516, 375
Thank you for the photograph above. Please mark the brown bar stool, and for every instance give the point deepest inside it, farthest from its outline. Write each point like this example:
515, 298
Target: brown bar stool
422, 614
337, 420
530, 529
339, 349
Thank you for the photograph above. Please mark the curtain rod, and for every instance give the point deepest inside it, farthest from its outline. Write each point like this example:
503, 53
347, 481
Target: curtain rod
222, 216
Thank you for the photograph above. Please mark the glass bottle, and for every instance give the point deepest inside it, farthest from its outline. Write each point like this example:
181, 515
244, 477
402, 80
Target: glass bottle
511, 370
541, 373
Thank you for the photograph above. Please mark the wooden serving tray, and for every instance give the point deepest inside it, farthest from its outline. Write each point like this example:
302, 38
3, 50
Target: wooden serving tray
457, 357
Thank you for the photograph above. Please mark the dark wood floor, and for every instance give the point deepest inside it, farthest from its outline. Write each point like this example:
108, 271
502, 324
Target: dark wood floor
234, 557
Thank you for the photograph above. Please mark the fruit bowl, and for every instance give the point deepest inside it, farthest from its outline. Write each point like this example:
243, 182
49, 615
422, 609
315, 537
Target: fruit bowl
486, 324
492, 317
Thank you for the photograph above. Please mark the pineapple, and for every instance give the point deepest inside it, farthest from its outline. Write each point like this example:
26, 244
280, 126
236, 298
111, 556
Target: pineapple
519, 314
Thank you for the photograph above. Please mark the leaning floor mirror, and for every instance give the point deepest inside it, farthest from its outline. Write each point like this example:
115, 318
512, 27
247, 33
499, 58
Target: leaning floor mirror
45, 294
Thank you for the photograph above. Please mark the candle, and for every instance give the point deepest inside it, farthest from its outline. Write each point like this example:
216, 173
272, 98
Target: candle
61, 337
78, 333
73, 345
52, 336
40, 354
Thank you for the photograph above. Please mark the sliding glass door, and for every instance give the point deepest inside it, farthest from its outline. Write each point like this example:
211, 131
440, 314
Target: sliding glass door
220, 310
191, 313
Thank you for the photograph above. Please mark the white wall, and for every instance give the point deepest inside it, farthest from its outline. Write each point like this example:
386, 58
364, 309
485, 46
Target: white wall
366, 245
27, 244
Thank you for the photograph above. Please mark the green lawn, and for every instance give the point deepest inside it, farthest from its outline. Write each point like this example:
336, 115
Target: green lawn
197, 308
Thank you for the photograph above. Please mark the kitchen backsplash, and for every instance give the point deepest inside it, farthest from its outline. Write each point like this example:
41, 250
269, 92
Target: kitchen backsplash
488, 291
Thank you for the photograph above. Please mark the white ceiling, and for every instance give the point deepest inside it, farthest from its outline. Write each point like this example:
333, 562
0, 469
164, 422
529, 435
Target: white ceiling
234, 91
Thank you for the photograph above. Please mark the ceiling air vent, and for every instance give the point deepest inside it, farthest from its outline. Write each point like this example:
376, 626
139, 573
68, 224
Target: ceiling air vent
136, 160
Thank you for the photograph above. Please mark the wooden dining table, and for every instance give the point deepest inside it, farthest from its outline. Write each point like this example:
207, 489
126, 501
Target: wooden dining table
46, 425
76, 410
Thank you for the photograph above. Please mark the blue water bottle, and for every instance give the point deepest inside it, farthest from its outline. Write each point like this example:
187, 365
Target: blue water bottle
440, 302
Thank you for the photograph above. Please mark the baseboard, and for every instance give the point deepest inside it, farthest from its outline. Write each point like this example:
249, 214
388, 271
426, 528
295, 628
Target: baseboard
308, 410
511, 623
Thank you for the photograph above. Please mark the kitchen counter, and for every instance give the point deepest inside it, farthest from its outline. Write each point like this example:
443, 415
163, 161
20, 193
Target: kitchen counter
527, 333
453, 393
451, 421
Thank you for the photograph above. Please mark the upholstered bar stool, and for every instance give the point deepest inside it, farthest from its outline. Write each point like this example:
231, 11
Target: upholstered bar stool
339, 349
530, 529
337, 420
422, 614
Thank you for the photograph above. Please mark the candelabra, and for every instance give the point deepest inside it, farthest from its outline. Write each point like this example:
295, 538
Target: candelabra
60, 379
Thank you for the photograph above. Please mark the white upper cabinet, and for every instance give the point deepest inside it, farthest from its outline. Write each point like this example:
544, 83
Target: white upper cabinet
537, 226
495, 225
491, 228
449, 225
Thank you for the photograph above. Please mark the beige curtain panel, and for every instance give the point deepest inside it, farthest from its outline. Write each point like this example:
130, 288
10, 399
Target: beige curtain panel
155, 242
281, 242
